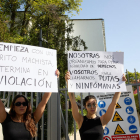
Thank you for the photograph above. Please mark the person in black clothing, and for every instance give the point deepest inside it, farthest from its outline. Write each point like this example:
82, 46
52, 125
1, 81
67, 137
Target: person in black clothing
91, 126
20, 123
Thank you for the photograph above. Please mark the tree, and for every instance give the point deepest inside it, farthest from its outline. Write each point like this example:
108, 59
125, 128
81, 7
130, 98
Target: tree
131, 77
31, 9
49, 14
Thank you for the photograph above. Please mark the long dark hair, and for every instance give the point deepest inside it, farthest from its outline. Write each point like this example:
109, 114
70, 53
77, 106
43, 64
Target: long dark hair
89, 97
27, 118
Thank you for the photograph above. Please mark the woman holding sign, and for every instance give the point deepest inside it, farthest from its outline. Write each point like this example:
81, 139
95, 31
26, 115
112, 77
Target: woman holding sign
91, 126
20, 123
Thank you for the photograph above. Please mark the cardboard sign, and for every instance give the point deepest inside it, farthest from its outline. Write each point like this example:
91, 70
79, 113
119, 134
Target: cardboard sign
124, 124
27, 68
92, 71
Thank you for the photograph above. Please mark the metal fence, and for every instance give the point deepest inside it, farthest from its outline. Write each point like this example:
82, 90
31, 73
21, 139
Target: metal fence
54, 121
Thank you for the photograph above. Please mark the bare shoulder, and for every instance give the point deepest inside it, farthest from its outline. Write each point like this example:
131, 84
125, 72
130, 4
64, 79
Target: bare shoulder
3, 116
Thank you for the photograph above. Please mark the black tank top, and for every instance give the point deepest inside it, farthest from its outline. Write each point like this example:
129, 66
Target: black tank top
91, 129
15, 130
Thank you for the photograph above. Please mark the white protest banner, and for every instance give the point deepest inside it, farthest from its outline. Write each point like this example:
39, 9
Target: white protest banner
27, 68
92, 71
124, 124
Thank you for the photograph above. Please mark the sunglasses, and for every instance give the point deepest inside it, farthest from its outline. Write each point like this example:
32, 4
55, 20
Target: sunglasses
19, 103
90, 105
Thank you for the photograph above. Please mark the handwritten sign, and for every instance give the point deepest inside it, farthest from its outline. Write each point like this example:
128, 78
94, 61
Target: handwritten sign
27, 68
93, 71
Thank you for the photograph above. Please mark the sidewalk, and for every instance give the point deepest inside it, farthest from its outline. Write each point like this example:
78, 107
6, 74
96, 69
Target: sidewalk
77, 136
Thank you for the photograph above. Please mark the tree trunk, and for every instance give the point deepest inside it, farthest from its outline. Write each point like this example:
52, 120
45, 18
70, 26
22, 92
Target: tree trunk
25, 21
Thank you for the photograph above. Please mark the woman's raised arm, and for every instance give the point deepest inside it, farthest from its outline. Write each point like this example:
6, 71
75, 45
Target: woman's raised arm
2, 112
110, 111
41, 106
75, 111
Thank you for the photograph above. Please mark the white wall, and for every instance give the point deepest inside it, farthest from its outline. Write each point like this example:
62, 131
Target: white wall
92, 32
1, 135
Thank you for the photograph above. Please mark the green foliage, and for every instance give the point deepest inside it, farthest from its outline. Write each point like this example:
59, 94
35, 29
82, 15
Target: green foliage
78, 99
39, 10
49, 14
70, 117
131, 78
137, 102
70, 122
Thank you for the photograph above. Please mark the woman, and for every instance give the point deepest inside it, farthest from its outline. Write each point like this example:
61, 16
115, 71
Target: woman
91, 126
19, 124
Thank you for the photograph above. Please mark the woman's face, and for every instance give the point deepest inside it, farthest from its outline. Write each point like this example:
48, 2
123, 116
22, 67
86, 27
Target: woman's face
91, 106
20, 106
